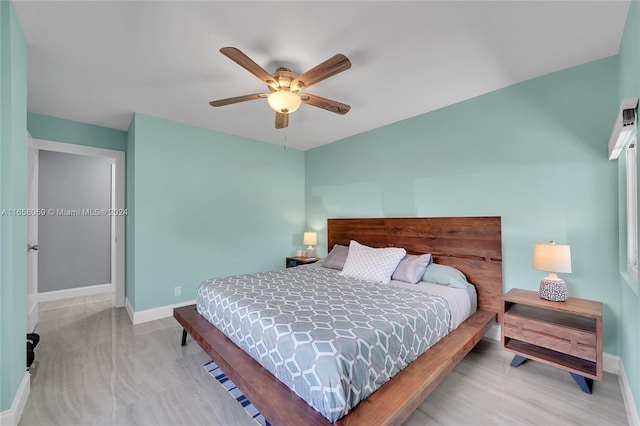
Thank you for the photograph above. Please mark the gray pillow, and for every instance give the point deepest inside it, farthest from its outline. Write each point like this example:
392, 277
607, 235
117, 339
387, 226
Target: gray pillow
336, 258
411, 268
445, 275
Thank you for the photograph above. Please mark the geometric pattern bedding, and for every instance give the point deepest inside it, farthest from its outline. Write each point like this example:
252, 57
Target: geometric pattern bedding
331, 339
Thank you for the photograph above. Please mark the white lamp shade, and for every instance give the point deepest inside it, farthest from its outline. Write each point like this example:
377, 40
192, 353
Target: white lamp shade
284, 101
310, 239
552, 258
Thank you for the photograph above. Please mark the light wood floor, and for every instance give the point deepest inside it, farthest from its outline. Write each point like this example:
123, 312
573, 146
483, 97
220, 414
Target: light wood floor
94, 367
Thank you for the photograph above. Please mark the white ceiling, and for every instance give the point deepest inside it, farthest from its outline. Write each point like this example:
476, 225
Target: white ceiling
98, 62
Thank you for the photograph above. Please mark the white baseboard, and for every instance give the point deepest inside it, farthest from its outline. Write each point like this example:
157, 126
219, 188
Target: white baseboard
129, 308
11, 417
139, 317
494, 332
48, 296
627, 396
611, 363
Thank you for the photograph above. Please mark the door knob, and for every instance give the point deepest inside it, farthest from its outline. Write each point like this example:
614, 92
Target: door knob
32, 247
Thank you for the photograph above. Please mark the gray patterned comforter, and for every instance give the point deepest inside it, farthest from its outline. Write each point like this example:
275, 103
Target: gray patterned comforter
332, 340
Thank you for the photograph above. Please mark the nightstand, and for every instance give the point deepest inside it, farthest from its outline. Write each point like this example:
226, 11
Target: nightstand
290, 262
567, 335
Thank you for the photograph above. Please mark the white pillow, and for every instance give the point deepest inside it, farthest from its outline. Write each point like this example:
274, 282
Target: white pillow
374, 265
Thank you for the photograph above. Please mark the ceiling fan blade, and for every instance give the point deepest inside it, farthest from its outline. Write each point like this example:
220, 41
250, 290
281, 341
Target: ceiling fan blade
235, 100
247, 63
324, 103
332, 66
282, 120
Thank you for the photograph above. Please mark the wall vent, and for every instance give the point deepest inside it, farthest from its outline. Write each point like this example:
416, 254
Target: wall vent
623, 128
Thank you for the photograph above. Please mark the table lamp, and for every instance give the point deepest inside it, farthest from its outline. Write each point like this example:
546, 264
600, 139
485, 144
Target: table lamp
310, 239
552, 258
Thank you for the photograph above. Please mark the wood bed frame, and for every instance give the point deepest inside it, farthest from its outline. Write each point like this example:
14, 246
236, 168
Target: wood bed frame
470, 244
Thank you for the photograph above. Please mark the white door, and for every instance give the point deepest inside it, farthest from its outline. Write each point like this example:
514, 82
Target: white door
118, 204
32, 237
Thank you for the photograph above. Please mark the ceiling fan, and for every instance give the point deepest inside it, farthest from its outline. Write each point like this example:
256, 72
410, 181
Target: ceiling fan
285, 86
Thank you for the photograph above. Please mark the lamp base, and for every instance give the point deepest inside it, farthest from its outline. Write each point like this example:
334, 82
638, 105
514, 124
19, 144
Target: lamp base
554, 290
309, 253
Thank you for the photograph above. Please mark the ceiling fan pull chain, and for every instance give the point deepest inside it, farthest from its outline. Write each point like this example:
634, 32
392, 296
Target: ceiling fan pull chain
285, 140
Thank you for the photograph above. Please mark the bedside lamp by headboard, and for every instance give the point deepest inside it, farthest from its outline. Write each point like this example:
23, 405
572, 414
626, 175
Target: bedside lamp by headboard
310, 239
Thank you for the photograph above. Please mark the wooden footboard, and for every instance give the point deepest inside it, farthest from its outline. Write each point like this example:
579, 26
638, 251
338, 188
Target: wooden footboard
390, 405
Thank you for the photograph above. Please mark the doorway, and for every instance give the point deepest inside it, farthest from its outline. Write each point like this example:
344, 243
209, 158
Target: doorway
116, 219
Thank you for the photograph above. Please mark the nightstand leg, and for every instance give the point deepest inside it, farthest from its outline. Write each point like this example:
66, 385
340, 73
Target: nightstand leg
585, 383
184, 337
518, 360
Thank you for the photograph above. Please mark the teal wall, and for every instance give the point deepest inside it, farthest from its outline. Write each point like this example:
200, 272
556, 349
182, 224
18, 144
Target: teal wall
13, 195
67, 131
534, 154
207, 204
629, 86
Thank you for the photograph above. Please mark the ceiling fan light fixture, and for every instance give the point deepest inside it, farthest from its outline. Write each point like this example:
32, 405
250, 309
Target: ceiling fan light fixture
284, 101
285, 86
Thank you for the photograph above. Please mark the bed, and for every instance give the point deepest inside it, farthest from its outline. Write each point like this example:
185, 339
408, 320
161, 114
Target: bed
472, 245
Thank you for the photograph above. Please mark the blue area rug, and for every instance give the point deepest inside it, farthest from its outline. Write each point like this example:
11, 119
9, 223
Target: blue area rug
219, 375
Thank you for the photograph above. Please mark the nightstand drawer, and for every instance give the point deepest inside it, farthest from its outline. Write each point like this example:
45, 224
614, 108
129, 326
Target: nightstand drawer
569, 340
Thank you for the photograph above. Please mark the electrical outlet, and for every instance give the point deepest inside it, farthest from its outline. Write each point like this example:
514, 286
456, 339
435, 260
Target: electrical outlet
177, 291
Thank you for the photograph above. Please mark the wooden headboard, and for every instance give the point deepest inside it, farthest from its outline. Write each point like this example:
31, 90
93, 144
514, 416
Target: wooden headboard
471, 244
